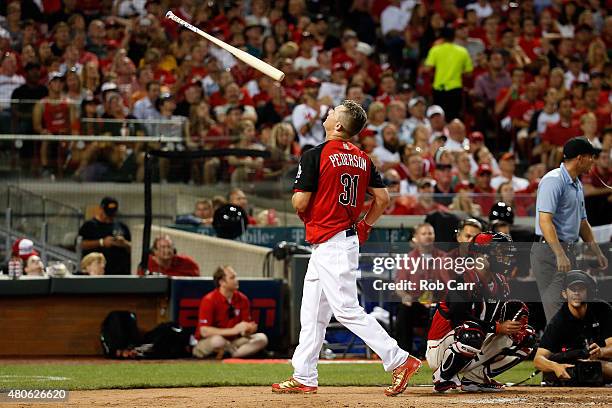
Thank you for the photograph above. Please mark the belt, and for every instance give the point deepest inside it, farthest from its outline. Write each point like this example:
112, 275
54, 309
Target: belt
350, 232
541, 239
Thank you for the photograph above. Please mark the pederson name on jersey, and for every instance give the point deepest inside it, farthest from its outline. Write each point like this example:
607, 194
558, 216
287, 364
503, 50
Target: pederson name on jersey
346, 159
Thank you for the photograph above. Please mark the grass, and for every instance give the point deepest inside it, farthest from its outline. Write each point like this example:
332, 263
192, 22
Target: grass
125, 375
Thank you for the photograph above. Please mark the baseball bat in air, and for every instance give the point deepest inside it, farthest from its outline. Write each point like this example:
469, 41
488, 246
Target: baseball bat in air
245, 57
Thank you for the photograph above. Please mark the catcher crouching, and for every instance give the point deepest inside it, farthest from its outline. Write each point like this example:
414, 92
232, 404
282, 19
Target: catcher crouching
478, 333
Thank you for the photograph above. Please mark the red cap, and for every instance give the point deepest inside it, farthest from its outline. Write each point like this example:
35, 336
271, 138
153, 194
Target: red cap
463, 185
339, 65
311, 82
366, 133
23, 248
476, 136
484, 168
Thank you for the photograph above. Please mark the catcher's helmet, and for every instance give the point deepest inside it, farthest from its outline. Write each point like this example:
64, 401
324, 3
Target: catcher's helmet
502, 211
230, 221
499, 249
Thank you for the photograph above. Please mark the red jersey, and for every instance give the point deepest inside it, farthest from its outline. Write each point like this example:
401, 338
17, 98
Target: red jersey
338, 174
216, 311
56, 117
181, 265
485, 198
523, 109
559, 133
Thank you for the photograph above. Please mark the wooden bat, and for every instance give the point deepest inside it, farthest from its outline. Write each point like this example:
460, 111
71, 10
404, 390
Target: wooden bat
245, 57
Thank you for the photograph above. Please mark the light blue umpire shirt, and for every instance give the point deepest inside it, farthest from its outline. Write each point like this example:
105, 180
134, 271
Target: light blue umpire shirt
563, 197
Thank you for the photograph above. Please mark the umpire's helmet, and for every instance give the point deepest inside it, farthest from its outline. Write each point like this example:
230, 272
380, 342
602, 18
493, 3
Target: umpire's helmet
230, 221
502, 211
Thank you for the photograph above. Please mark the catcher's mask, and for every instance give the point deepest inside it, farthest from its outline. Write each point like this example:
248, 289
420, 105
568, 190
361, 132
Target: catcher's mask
498, 249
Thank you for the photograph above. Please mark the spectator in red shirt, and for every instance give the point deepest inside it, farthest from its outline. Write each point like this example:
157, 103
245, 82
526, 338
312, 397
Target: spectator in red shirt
507, 97
529, 41
484, 194
593, 104
463, 201
167, 261
224, 320
523, 109
425, 201
399, 205
387, 88
557, 134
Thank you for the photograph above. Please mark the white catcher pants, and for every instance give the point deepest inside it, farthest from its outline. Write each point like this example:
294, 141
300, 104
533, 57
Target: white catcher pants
330, 288
493, 345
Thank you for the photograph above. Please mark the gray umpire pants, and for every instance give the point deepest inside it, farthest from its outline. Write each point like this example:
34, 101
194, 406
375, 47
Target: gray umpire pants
549, 280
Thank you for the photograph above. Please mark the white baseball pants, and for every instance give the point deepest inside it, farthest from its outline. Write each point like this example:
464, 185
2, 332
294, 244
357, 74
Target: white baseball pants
493, 345
330, 287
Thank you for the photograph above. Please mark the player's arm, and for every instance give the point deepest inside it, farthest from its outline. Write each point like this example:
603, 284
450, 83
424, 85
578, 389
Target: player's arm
380, 201
306, 180
300, 200
542, 363
380, 196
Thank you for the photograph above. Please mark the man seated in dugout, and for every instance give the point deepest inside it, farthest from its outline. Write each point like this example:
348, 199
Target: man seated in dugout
576, 348
224, 320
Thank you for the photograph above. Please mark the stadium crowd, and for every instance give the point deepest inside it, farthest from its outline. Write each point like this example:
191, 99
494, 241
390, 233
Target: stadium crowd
450, 88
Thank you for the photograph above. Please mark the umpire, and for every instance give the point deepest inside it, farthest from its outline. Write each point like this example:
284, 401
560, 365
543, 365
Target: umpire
560, 219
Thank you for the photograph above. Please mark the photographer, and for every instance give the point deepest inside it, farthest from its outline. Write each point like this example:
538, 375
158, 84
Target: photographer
577, 343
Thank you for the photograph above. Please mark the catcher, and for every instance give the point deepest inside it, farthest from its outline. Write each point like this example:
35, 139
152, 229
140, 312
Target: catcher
478, 334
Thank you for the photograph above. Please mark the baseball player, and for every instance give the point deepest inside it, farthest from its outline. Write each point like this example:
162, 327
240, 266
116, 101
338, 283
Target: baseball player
329, 193
477, 332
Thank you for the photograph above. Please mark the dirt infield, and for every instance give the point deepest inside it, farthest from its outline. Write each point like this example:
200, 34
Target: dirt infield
330, 397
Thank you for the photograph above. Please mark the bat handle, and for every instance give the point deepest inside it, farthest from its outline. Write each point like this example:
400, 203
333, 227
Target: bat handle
169, 14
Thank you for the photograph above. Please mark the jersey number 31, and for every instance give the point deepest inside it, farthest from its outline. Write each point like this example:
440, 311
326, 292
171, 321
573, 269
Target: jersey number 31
349, 195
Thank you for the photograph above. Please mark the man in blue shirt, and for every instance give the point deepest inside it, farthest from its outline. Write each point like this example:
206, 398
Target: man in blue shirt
560, 220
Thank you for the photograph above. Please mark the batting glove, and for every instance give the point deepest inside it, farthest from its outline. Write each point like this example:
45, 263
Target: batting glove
363, 231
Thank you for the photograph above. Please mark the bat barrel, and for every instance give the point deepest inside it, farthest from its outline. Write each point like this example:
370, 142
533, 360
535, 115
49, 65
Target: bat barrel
249, 59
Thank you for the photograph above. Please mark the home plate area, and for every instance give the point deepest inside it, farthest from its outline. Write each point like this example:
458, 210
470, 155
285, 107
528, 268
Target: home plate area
414, 397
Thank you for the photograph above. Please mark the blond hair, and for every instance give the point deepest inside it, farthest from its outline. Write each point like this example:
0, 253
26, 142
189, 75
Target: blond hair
91, 258
277, 130
591, 56
374, 108
587, 116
